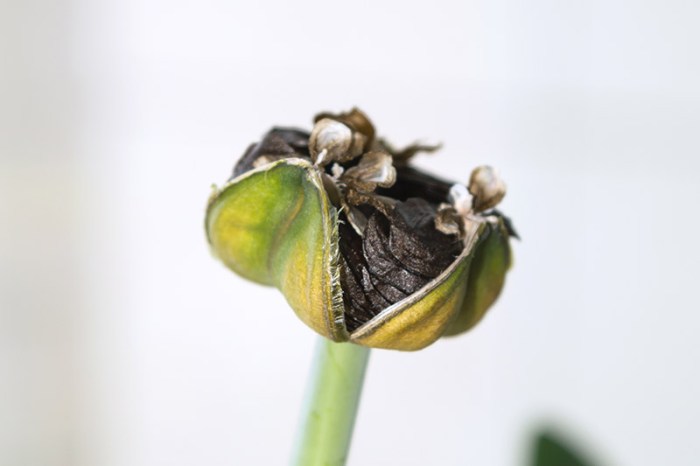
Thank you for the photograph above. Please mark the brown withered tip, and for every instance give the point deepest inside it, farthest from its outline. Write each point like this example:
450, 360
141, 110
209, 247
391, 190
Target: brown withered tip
357, 121
487, 188
330, 141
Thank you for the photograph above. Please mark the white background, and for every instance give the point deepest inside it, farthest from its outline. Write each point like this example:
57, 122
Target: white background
123, 343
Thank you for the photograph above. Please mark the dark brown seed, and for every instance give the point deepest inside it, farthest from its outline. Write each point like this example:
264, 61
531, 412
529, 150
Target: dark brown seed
398, 255
282, 142
415, 241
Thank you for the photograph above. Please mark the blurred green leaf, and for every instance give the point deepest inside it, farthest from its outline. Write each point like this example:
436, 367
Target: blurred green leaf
551, 450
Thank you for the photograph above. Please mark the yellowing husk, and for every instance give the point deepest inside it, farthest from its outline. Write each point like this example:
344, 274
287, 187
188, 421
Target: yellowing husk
492, 259
274, 225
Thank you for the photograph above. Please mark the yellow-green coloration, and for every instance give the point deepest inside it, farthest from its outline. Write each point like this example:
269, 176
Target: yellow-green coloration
492, 260
275, 225
413, 324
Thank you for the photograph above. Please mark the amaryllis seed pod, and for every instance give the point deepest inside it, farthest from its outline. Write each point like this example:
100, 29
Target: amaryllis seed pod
364, 247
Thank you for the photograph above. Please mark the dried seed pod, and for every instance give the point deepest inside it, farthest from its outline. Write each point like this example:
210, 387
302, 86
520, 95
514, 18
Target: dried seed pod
363, 252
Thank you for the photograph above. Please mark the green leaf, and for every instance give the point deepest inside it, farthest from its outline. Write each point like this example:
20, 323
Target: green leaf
551, 450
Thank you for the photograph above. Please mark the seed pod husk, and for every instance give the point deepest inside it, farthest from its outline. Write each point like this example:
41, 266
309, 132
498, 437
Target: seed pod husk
274, 225
491, 260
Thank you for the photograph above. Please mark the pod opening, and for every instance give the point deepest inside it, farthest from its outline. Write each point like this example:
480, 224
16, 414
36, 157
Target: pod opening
399, 253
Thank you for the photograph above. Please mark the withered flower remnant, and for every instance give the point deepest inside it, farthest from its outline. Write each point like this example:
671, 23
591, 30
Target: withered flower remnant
365, 247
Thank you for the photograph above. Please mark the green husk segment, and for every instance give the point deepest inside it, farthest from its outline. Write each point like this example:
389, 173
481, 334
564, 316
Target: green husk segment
275, 226
492, 259
418, 321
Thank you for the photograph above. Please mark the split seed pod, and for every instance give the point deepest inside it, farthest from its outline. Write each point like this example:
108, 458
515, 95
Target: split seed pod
364, 247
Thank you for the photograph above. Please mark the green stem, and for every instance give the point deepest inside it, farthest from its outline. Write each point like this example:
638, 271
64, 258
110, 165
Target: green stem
331, 404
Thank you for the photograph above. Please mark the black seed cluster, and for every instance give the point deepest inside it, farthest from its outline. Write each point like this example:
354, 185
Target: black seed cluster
398, 255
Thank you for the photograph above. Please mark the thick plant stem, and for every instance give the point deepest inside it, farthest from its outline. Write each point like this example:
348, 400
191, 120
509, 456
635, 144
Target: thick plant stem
332, 398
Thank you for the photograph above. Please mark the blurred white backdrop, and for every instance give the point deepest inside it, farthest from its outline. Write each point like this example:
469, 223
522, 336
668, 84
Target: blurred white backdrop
122, 342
